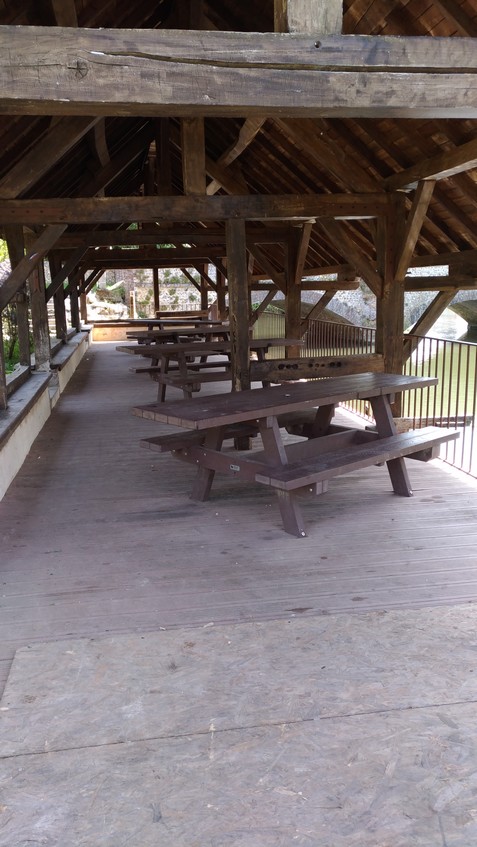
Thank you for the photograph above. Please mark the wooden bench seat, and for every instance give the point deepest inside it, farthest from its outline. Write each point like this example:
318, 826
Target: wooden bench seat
191, 366
179, 380
320, 468
182, 440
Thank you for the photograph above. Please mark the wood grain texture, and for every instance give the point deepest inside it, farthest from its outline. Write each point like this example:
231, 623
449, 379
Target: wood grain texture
132, 72
135, 554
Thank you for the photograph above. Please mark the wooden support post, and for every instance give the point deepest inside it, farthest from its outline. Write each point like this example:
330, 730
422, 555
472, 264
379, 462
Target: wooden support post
155, 286
204, 291
238, 303
16, 252
83, 302
390, 306
314, 17
74, 306
193, 155
221, 304
292, 295
163, 158
61, 327
3, 378
39, 317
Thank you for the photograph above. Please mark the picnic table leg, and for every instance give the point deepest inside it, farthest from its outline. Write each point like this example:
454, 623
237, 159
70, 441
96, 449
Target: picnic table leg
321, 424
290, 511
261, 358
274, 449
182, 361
205, 477
161, 389
386, 426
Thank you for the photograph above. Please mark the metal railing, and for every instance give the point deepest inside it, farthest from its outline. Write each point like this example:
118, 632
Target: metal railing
452, 403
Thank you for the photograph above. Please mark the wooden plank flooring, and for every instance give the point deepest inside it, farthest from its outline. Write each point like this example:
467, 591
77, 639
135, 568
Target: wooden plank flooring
98, 535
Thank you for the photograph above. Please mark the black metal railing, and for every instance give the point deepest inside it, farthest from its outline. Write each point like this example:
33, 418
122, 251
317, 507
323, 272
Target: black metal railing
452, 403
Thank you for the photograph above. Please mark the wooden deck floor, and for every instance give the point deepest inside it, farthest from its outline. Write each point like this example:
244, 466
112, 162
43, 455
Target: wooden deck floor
99, 536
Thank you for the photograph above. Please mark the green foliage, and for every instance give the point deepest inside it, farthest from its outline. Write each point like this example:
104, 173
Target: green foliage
3, 251
11, 350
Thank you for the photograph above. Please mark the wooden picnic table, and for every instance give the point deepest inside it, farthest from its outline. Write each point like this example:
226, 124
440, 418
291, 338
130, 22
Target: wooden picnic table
176, 332
188, 374
307, 465
161, 323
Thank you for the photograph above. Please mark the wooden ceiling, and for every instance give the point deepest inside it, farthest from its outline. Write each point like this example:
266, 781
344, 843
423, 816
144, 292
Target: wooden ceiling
53, 156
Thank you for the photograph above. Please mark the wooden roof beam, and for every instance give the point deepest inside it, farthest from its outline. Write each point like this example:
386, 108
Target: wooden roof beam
442, 166
413, 226
454, 281
250, 128
353, 254
454, 13
56, 143
186, 209
60, 70
174, 235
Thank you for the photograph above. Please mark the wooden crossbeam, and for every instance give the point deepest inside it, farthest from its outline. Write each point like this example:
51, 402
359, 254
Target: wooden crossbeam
56, 70
442, 166
192, 208
247, 133
427, 320
413, 226
353, 254
455, 282
29, 263
173, 235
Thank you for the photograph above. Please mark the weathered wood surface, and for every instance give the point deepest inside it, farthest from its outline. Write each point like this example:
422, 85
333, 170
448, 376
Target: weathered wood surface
334, 462
29, 263
191, 208
58, 141
104, 72
138, 555
234, 408
239, 304
63, 71
441, 166
308, 16
310, 367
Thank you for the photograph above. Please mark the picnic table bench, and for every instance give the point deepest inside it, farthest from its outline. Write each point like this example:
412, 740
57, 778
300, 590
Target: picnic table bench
189, 374
306, 466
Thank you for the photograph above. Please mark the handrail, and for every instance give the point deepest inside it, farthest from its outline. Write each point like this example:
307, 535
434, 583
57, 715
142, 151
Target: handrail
452, 403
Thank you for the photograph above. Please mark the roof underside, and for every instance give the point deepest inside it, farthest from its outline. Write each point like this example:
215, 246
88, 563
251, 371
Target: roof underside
282, 155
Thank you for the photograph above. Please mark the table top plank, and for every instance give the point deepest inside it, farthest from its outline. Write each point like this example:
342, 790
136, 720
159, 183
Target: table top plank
235, 407
201, 347
161, 334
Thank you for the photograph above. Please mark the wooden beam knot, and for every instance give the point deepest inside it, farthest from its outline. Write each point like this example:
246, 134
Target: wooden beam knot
80, 67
